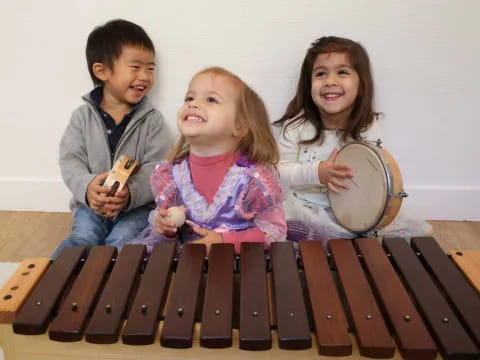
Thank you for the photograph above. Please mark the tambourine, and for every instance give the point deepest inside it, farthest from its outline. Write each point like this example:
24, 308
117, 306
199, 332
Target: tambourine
376, 189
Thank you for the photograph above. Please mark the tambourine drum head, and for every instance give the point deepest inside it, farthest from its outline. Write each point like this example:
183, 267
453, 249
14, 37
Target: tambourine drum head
360, 208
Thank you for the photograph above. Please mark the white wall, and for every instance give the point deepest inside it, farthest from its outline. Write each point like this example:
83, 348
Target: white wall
424, 55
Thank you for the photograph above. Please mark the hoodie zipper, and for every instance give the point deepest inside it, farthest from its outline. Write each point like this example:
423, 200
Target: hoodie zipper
102, 124
127, 132
121, 140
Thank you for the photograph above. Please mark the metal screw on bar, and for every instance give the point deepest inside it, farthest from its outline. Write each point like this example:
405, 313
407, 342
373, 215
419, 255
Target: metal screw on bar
144, 309
445, 320
255, 313
74, 306
291, 313
459, 253
217, 312
180, 311
108, 308
407, 318
329, 317
38, 303
369, 317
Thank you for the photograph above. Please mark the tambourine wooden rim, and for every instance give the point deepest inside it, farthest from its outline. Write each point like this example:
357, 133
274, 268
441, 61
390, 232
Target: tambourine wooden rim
392, 198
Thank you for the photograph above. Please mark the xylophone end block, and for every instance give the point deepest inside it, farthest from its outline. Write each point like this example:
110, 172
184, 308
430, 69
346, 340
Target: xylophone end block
335, 349
295, 344
255, 344
377, 352
65, 336
176, 342
216, 342
19, 286
419, 354
7, 317
29, 328
101, 338
138, 339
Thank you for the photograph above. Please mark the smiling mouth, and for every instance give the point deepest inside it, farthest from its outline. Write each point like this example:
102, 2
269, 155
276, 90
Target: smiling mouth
194, 118
331, 96
139, 88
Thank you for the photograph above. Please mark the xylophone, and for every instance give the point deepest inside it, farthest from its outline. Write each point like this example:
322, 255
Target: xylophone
360, 299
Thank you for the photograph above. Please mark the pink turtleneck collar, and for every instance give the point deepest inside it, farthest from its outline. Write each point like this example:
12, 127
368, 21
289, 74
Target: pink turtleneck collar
209, 172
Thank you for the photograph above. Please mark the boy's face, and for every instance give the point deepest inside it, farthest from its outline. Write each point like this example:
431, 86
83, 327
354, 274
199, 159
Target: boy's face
131, 78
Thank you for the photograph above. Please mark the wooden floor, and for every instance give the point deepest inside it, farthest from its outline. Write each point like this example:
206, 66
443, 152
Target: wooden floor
26, 234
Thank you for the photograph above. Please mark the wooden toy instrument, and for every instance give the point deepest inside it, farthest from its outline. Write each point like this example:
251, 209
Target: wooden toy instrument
360, 298
123, 168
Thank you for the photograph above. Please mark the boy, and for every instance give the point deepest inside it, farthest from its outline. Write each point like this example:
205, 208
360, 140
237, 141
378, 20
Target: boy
117, 119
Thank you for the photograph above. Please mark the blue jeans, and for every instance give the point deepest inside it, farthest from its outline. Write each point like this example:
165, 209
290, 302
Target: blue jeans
89, 228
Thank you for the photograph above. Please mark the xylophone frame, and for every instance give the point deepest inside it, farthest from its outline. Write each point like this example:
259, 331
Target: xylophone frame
353, 261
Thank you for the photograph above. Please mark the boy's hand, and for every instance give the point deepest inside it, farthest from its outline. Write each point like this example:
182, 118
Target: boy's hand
209, 238
96, 192
164, 226
332, 174
117, 203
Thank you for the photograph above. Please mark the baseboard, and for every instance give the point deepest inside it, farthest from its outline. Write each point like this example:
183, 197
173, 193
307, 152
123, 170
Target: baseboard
427, 202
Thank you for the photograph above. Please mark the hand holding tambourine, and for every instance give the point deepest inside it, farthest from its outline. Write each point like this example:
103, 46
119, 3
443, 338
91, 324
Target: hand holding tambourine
375, 191
333, 174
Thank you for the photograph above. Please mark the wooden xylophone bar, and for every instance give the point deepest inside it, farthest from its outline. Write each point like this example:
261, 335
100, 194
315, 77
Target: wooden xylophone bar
69, 324
151, 295
374, 284
445, 326
469, 262
412, 341
180, 314
37, 311
216, 332
462, 296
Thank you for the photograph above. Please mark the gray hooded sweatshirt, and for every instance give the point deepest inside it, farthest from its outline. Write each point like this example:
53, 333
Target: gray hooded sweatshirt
84, 151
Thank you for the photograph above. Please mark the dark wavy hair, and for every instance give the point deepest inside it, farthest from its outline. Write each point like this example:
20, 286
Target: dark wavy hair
302, 108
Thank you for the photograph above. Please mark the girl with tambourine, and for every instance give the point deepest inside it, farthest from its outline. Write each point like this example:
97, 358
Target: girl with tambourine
333, 106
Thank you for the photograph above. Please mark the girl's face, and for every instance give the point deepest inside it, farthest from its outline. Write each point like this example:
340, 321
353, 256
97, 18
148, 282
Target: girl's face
208, 117
335, 85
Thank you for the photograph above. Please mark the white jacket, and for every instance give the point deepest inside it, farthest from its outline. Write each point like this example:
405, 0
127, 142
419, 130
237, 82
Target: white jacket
299, 163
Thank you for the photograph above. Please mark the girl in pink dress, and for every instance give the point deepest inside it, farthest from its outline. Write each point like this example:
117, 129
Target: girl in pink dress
221, 171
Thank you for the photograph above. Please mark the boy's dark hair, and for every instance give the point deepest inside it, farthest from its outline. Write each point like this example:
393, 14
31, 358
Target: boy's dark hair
302, 108
104, 44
